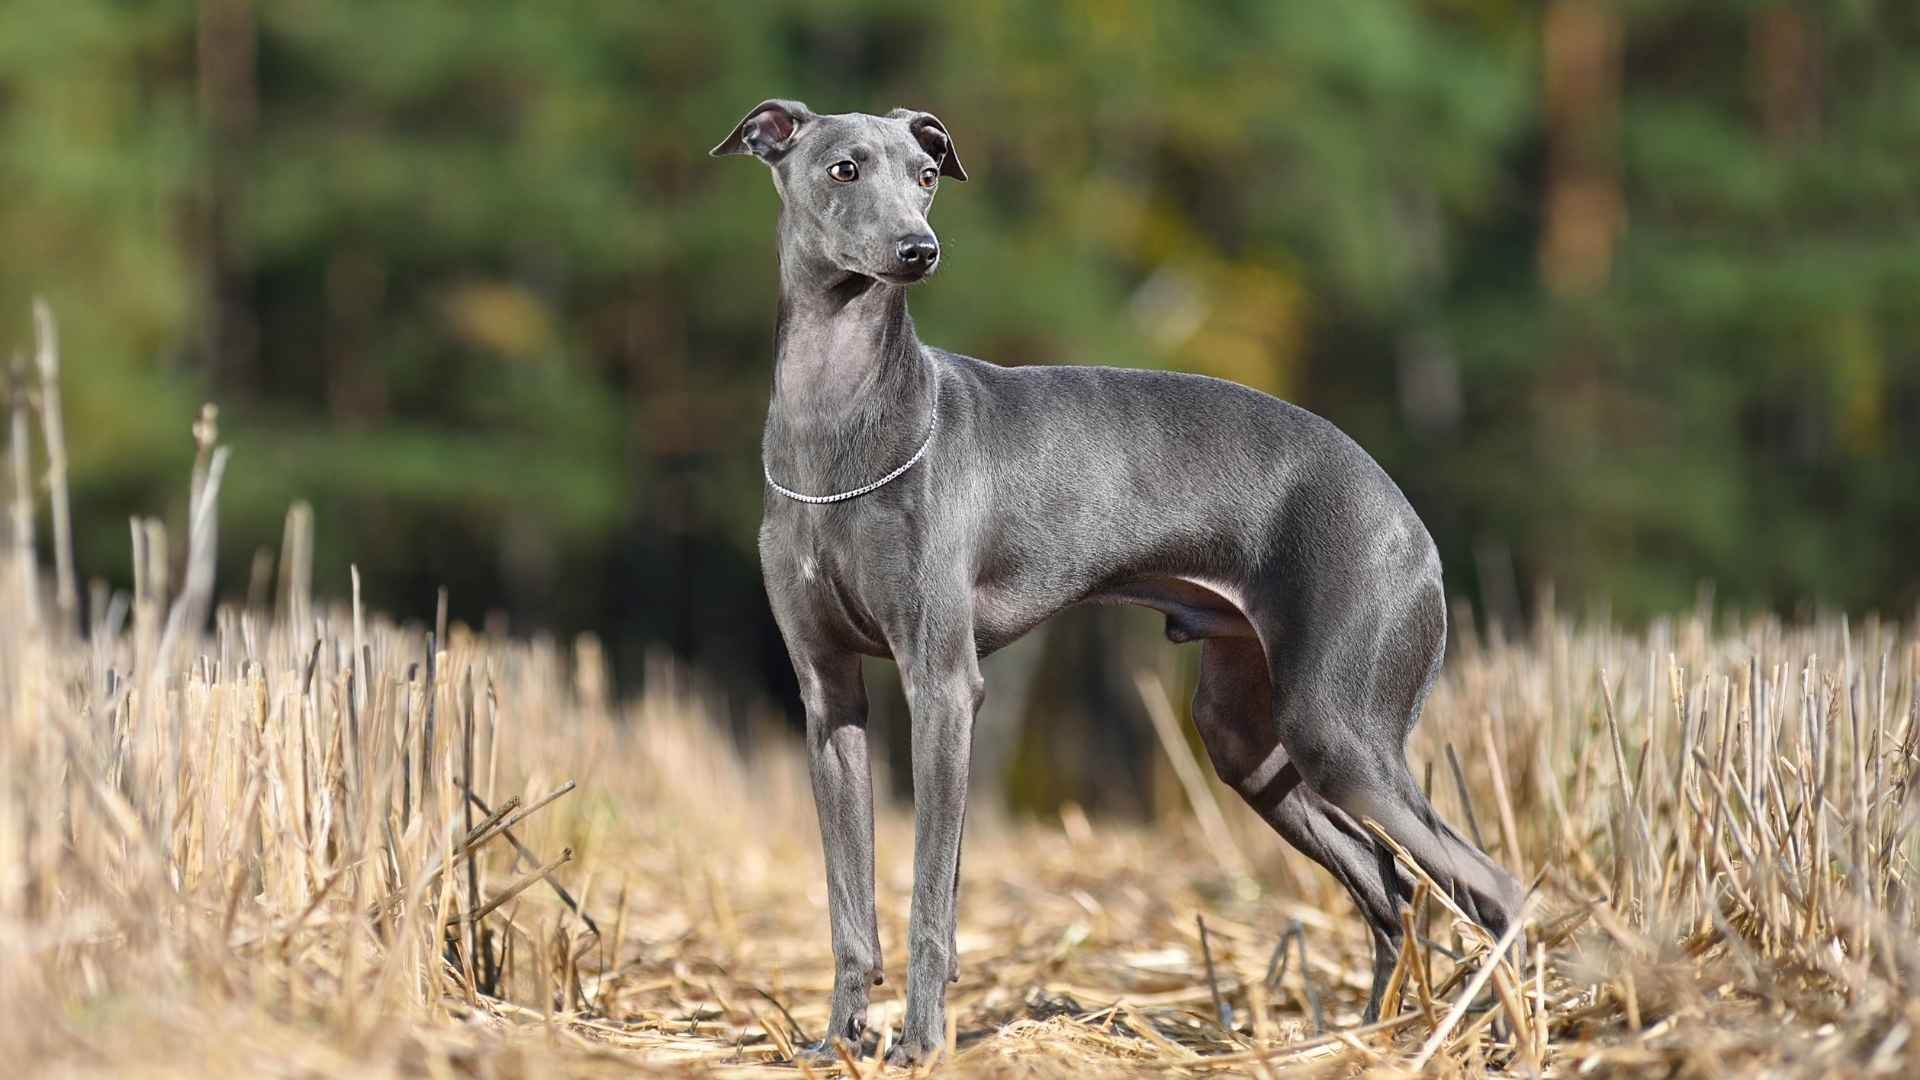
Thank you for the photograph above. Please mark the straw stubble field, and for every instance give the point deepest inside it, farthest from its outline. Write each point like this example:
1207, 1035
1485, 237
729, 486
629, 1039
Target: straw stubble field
253, 849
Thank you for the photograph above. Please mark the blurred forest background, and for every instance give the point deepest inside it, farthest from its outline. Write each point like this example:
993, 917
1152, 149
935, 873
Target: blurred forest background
1626, 295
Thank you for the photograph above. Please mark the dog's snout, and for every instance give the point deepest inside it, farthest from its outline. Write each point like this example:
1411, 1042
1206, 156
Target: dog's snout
919, 250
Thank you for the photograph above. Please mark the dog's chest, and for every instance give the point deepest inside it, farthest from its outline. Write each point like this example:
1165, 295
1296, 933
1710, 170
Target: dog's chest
839, 570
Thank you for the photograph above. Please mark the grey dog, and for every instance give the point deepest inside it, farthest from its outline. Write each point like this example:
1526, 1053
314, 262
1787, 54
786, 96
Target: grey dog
932, 508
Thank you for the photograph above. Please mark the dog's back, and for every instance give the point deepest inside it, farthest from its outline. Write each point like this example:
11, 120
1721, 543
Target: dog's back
1097, 476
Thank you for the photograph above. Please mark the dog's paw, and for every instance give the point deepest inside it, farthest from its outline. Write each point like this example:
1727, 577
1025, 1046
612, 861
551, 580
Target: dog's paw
823, 1052
908, 1053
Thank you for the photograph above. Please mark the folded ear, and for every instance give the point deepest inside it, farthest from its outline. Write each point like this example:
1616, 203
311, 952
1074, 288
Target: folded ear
767, 131
933, 138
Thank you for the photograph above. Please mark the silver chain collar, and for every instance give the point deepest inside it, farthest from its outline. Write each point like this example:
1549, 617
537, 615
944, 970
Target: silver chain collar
933, 419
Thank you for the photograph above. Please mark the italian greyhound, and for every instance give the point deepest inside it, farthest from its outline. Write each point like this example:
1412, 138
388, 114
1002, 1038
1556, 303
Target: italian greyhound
932, 508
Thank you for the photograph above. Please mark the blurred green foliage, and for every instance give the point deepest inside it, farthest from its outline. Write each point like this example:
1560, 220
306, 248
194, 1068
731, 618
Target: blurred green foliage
1627, 295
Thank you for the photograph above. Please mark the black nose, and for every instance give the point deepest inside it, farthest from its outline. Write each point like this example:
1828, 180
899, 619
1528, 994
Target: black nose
919, 250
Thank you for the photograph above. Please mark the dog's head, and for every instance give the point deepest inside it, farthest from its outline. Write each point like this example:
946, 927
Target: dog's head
856, 188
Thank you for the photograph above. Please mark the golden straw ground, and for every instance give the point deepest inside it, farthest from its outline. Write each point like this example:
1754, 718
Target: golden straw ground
309, 841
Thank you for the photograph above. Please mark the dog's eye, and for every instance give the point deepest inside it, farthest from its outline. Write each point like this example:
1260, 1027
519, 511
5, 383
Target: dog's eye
929, 176
845, 172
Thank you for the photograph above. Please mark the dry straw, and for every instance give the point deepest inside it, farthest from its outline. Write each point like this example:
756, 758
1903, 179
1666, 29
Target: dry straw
279, 836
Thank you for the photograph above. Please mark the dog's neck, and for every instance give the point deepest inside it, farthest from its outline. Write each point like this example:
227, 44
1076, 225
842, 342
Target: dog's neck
851, 385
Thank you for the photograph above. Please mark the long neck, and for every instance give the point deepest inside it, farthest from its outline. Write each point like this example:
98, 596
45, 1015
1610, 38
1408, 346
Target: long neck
851, 385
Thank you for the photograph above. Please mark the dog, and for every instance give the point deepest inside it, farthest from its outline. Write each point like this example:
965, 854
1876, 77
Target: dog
931, 508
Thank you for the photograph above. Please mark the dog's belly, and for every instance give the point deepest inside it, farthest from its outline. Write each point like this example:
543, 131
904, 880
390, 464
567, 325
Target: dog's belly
1195, 608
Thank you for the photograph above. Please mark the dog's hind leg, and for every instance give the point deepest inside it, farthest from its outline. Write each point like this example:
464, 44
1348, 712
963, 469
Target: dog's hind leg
1348, 689
1232, 707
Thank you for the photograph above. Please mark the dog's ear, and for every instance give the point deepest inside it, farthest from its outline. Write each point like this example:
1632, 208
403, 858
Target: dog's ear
933, 138
767, 131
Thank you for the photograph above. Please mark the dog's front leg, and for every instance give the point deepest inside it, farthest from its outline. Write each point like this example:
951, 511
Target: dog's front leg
836, 705
944, 693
